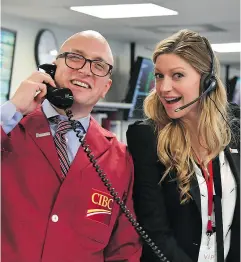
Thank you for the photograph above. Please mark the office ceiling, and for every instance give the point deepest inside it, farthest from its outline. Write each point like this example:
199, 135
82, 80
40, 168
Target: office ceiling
218, 20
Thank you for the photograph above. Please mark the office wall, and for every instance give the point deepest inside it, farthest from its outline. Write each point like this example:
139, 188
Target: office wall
24, 61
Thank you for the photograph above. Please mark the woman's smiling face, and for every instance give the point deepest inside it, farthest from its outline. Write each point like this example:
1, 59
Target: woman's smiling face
177, 84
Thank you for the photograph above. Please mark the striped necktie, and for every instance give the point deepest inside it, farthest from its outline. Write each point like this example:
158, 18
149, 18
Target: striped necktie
61, 146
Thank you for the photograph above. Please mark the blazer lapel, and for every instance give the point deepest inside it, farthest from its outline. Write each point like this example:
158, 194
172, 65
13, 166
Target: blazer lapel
234, 163
36, 124
235, 167
195, 191
98, 140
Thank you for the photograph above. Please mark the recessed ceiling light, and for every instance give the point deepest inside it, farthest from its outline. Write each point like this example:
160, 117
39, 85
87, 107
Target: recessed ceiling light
124, 11
227, 47
53, 52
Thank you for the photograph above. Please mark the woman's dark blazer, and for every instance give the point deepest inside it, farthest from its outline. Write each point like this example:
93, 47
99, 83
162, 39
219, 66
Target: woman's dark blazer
176, 229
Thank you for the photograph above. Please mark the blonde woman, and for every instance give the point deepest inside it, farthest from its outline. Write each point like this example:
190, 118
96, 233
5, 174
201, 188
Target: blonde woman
186, 157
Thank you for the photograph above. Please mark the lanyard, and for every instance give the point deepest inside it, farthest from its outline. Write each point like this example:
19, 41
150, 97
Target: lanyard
208, 176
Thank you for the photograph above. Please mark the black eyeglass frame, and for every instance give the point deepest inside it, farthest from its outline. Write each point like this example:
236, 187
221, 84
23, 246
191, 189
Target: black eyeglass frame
65, 54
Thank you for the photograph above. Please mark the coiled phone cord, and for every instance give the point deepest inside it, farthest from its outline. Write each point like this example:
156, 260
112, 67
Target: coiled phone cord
118, 200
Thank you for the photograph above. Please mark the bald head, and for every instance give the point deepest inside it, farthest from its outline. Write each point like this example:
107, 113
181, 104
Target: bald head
91, 40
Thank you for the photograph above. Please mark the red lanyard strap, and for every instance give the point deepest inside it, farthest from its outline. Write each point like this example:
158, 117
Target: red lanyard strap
208, 175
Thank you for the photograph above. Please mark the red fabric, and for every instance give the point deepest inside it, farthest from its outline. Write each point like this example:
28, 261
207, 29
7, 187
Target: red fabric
209, 181
32, 193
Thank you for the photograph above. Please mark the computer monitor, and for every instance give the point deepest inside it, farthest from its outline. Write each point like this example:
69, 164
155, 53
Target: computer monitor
141, 82
236, 92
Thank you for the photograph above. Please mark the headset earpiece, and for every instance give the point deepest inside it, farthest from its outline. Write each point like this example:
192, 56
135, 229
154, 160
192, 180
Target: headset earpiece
204, 82
208, 83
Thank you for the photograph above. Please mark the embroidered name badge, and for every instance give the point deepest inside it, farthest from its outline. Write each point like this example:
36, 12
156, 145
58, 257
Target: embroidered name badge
234, 150
100, 207
42, 134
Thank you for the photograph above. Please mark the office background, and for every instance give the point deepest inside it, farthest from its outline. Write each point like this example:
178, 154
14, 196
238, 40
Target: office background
218, 20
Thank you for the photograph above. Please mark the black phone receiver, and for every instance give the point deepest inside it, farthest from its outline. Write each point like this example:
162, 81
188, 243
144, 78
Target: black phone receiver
60, 97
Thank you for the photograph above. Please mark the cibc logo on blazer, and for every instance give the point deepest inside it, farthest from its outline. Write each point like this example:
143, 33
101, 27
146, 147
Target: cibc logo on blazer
100, 207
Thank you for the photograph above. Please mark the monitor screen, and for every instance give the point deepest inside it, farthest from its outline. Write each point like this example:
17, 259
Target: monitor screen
236, 92
142, 81
8, 41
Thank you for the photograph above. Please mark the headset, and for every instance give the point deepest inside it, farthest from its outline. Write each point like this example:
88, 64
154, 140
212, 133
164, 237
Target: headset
208, 81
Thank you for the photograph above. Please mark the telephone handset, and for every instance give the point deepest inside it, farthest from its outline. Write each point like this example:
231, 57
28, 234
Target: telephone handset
63, 99
60, 97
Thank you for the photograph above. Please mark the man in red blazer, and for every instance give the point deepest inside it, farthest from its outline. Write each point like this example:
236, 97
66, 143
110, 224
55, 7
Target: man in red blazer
49, 215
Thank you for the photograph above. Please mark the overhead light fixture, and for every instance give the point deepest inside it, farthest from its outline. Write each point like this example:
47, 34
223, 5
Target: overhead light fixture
124, 11
53, 52
227, 47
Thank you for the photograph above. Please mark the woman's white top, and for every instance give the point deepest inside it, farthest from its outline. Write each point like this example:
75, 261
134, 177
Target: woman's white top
208, 253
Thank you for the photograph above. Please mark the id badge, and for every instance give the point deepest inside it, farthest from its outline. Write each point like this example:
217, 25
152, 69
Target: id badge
207, 255
207, 252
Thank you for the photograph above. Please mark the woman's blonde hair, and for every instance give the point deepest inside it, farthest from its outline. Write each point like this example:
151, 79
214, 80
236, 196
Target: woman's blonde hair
174, 138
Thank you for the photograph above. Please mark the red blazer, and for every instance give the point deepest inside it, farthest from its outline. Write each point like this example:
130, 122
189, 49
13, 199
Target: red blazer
49, 220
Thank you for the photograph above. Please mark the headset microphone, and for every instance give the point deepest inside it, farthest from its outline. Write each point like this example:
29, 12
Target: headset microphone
187, 105
208, 81
210, 88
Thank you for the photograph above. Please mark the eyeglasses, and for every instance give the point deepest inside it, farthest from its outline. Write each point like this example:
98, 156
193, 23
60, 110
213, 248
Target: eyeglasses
76, 61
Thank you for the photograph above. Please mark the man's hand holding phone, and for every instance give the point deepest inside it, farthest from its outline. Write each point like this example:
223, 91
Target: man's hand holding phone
31, 92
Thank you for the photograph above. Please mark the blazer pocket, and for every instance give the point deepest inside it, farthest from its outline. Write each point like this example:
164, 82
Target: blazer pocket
6, 149
5, 155
95, 231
